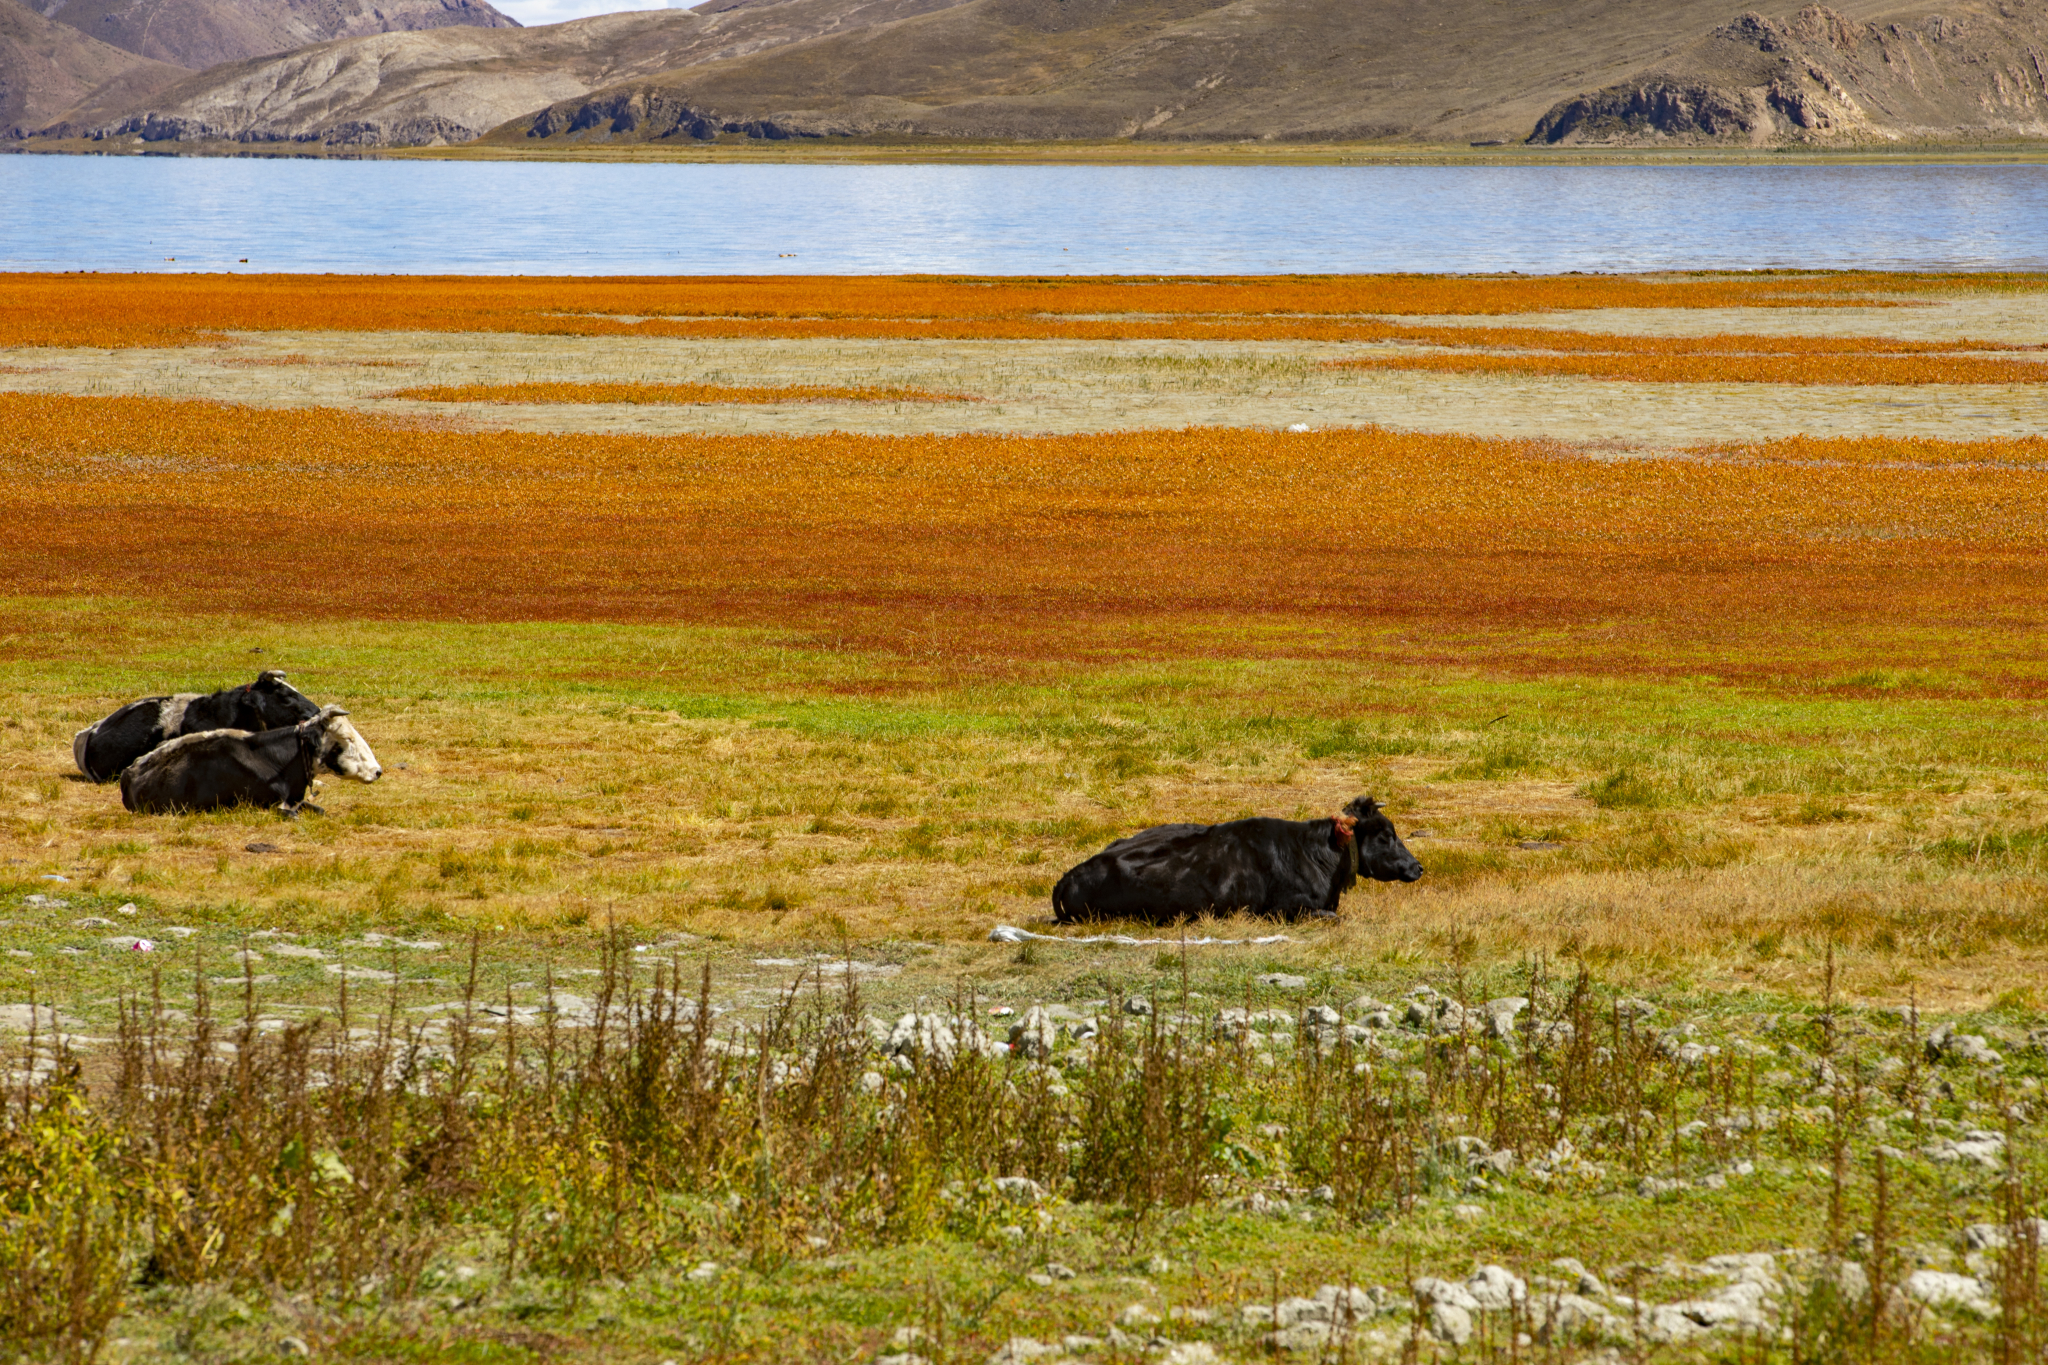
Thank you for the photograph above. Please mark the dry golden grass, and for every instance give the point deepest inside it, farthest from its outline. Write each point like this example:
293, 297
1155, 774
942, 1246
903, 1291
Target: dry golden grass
160, 310
676, 393
1697, 368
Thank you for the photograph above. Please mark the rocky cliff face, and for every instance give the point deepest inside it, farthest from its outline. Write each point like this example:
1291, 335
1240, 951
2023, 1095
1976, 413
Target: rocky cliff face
1964, 72
47, 67
203, 33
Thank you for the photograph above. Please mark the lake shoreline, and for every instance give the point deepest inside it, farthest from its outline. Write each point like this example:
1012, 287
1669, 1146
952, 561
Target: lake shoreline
895, 151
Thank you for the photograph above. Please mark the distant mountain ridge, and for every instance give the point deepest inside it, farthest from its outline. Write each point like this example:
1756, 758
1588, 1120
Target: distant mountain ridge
197, 34
1481, 71
47, 67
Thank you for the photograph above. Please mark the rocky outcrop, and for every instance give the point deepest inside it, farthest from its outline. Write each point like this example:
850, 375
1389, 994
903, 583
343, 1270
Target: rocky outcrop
1911, 75
203, 33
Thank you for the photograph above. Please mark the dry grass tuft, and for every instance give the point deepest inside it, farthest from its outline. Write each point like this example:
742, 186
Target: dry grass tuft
676, 393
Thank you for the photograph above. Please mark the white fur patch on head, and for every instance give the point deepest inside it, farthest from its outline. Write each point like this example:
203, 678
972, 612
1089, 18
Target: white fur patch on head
170, 712
344, 748
78, 743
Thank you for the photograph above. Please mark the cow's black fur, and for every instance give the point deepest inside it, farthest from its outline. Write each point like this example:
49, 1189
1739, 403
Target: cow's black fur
1284, 868
103, 750
230, 768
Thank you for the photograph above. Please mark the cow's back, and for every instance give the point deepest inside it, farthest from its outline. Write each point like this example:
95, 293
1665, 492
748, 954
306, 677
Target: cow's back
1170, 872
104, 749
193, 772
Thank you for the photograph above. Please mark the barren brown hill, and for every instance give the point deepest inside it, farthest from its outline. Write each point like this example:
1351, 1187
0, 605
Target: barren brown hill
1967, 70
202, 33
1445, 70
46, 67
1197, 70
451, 84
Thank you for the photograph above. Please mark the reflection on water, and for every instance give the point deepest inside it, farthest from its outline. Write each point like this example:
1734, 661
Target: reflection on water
166, 213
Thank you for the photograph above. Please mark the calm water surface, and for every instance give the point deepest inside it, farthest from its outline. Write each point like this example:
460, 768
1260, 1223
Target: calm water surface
162, 213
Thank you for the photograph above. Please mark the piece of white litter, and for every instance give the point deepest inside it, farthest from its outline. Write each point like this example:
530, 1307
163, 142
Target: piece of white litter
1298, 426
1006, 933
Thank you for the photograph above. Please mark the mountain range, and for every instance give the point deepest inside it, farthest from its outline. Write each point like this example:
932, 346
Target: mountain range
198, 74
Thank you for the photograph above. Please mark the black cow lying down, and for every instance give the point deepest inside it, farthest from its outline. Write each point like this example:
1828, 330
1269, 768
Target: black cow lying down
103, 749
1285, 868
234, 767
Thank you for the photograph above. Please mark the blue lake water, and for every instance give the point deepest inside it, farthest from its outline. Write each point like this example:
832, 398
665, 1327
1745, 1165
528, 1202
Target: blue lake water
161, 213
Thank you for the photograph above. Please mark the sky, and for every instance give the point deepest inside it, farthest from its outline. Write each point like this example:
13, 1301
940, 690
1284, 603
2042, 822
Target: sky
531, 12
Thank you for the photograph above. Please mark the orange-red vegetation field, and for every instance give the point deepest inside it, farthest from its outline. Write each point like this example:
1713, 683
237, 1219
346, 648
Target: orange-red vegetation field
165, 310
676, 393
1519, 554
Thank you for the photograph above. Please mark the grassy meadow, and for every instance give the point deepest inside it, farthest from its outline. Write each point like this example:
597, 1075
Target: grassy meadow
646, 1009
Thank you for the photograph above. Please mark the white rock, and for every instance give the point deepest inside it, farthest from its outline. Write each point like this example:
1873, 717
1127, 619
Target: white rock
1495, 1289
1431, 1290
1450, 1323
1021, 1188
1986, 1149
1941, 1289
1568, 1317
1191, 1353
1018, 1349
1138, 1315
1282, 981
1996, 1236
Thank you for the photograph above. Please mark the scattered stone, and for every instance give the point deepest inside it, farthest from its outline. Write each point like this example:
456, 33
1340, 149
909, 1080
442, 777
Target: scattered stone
1058, 1271
1501, 1015
126, 909
1585, 1281
1034, 1035
906, 1337
1321, 1020
1634, 1008
1430, 1290
1539, 845
1364, 1005
1450, 1324
1282, 981
128, 943
1997, 1236
179, 931
1652, 1186
1191, 1353
1560, 1318
39, 901
1138, 1005
1019, 1349
902, 1358
1495, 1288
1985, 1148
1138, 1315
92, 922
1468, 1213
1942, 1289
706, 1272
1945, 1044
293, 1346
261, 847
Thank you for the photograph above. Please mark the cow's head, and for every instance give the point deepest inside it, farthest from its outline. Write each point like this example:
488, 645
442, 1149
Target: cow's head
278, 702
342, 750
1381, 854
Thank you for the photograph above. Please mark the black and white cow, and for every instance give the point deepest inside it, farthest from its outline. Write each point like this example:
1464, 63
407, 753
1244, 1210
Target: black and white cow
216, 768
1285, 868
104, 749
